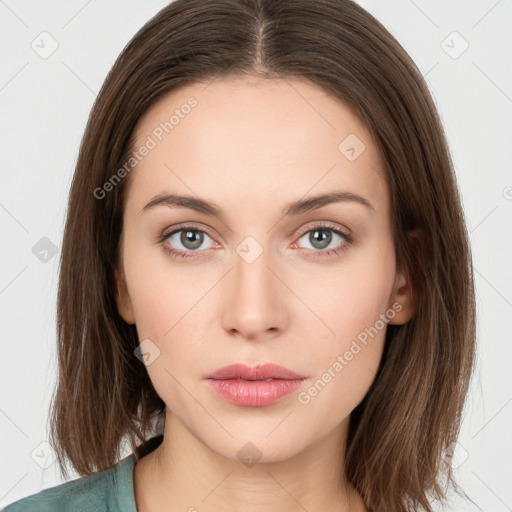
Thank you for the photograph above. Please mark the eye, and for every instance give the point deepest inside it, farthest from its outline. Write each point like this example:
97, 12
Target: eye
188, 240
322, 236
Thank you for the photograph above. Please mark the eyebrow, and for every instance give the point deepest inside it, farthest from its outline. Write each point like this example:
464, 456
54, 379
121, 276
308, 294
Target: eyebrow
295, 208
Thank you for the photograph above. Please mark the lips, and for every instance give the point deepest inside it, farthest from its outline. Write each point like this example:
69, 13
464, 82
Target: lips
260, 372
254, 386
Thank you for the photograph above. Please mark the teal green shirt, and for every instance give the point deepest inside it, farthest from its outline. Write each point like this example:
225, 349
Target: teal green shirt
108, 491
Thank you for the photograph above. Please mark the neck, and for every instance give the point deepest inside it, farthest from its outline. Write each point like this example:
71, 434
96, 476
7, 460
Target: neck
186, 475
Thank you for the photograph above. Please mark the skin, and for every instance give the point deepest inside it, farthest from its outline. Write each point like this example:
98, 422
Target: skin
253, 146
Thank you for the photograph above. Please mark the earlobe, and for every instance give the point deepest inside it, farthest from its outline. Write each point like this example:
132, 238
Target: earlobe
124, 304
404, 296
402, 300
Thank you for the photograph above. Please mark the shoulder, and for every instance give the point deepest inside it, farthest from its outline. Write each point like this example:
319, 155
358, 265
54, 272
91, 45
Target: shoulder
106, 491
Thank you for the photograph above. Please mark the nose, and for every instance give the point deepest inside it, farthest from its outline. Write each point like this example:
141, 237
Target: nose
254, 302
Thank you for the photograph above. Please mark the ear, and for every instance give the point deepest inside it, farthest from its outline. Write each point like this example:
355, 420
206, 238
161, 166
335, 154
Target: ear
124, 304
404, 295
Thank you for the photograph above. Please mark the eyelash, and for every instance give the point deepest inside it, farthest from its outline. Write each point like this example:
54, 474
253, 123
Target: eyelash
348, 239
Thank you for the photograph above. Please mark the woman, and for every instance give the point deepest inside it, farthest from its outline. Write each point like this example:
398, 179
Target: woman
265, 263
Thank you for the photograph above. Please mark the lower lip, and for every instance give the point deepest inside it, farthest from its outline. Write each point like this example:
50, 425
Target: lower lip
254, 393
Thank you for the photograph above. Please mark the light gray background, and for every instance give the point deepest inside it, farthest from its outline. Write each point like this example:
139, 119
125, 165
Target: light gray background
44, 104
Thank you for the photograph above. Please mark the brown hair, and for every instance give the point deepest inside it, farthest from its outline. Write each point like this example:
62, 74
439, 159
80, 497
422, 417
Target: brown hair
412, 413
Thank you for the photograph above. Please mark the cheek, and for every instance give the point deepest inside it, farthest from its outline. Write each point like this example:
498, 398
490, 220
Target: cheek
346, 362
175, 326
170, 304
162, 292
350, 297
353, 307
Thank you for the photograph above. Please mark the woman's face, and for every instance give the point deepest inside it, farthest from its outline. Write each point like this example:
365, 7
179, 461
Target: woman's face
265, 274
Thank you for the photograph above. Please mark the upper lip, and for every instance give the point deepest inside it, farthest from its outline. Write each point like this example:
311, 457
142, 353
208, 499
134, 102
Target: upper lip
260, 371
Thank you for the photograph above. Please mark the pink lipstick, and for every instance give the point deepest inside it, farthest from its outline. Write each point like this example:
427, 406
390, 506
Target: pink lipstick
254, 386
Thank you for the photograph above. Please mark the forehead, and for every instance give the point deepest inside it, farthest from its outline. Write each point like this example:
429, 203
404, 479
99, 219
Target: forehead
257, 136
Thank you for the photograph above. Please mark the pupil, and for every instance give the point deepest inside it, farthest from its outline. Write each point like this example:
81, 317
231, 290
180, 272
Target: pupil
191, 239
325, 237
